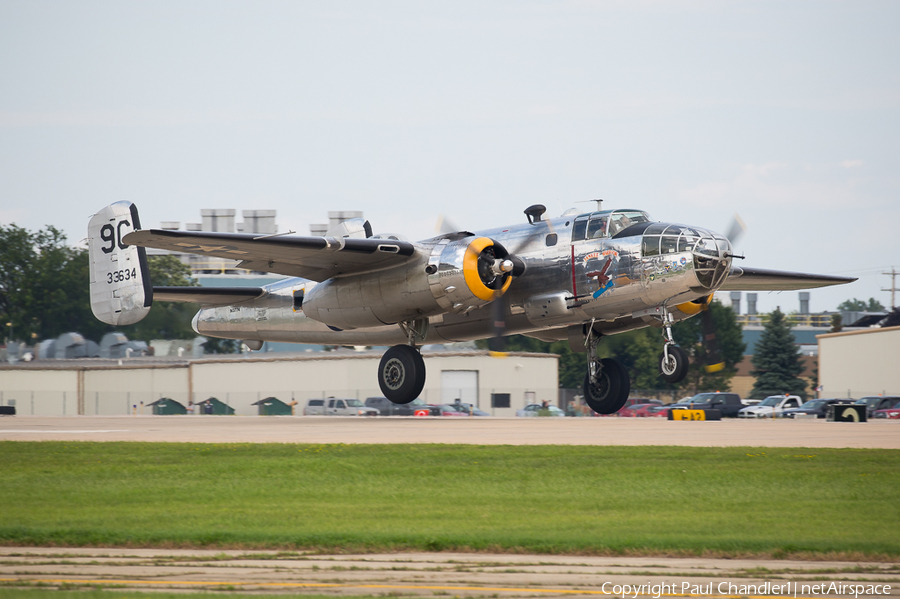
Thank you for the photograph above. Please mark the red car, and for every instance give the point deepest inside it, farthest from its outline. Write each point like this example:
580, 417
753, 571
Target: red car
640, 410
658, 411
892, 413
448, 410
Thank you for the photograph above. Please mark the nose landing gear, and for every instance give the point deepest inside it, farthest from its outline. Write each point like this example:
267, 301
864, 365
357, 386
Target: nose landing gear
673, 362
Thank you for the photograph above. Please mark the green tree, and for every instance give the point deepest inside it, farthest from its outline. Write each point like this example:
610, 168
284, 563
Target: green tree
858, 305
837, 323
730, 340
43, 285
215, 345
45, 292
776, 361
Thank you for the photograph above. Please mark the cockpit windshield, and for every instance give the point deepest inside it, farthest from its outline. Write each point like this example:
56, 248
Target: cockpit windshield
608, 223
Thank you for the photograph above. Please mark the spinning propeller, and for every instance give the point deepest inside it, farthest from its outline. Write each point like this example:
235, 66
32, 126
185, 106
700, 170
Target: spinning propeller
712, 356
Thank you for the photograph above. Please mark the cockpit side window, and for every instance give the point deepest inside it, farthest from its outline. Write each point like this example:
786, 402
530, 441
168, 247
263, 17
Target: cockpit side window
579, 227
597, 227
622, 219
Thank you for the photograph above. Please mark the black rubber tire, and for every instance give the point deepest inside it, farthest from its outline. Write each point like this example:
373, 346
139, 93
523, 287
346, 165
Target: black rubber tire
401, 374
610, 392
677, 367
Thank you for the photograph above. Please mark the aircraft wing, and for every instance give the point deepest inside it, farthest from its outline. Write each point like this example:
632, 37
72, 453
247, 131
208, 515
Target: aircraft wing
207, 296
757, 279
314, 258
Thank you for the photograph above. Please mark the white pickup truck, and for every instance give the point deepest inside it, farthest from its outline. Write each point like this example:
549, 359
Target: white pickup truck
337, 407
771, 406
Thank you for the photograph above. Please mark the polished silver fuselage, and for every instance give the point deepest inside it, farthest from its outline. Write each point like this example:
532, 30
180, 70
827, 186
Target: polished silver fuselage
617, 283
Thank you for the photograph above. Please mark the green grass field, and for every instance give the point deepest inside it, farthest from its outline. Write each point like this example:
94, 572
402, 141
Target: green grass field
546, 499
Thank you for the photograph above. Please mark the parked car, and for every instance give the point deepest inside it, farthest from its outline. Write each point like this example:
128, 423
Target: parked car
634, 411
449, 410
536, 409
467, 409
337, 407
634, 401
814, 407
771, 406
892, 412
386, 407
646, 410
655, 411
877, 402
728, 404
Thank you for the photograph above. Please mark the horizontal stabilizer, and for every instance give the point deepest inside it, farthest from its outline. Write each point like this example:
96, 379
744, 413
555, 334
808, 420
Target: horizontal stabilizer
757, 279
207, 296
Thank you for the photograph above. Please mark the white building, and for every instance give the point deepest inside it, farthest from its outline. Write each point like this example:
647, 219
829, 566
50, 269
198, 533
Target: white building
860, 363
499, 386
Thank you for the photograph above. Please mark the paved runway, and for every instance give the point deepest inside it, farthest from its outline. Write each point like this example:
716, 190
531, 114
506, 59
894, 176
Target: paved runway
431, 574
482, 431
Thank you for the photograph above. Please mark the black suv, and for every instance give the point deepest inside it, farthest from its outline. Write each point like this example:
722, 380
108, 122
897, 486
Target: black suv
728, 404
388, 408
817, 407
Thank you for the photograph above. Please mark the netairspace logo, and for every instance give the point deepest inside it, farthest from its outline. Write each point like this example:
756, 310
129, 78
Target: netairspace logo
787, 589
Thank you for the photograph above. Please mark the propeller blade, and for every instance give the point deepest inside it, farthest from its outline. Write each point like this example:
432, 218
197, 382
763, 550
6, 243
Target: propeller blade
714, 361
444, 226
737, 229
497, 342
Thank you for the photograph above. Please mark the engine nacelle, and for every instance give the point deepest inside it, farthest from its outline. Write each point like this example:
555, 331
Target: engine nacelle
468, 273
456, 277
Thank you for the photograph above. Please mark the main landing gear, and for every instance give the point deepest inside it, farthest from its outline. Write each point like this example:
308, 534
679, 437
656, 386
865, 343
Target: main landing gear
606, 382
401, 373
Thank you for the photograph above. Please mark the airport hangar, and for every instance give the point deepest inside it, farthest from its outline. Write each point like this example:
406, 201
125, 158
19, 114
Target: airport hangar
860, 363
88, 386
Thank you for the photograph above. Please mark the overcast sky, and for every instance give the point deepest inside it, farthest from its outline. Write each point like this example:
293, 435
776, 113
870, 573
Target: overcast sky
787, 113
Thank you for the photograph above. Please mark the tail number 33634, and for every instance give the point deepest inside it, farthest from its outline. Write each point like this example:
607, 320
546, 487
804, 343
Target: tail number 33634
121, 275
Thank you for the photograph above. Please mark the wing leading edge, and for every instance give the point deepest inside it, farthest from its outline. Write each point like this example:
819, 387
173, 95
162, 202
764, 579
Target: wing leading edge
757, 279
314, 258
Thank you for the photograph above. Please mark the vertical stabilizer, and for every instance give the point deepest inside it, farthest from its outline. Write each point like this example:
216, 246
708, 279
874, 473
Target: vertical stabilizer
120, 283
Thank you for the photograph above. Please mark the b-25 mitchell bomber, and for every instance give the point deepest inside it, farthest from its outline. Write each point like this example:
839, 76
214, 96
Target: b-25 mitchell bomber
578, 277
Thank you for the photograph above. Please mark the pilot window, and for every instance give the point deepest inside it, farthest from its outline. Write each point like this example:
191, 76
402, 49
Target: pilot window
578, 228
596, 227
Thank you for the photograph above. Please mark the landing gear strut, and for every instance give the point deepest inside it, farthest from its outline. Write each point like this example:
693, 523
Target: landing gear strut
606, 383
401, 373
673, 362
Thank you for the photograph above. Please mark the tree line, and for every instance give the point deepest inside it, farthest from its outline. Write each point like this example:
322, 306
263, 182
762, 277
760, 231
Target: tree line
44, 291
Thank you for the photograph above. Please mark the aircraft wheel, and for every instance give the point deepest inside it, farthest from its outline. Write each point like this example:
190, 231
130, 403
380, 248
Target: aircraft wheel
401, 374
608, 393
675, 368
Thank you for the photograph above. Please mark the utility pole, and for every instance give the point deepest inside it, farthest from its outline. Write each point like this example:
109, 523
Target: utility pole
893, 274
